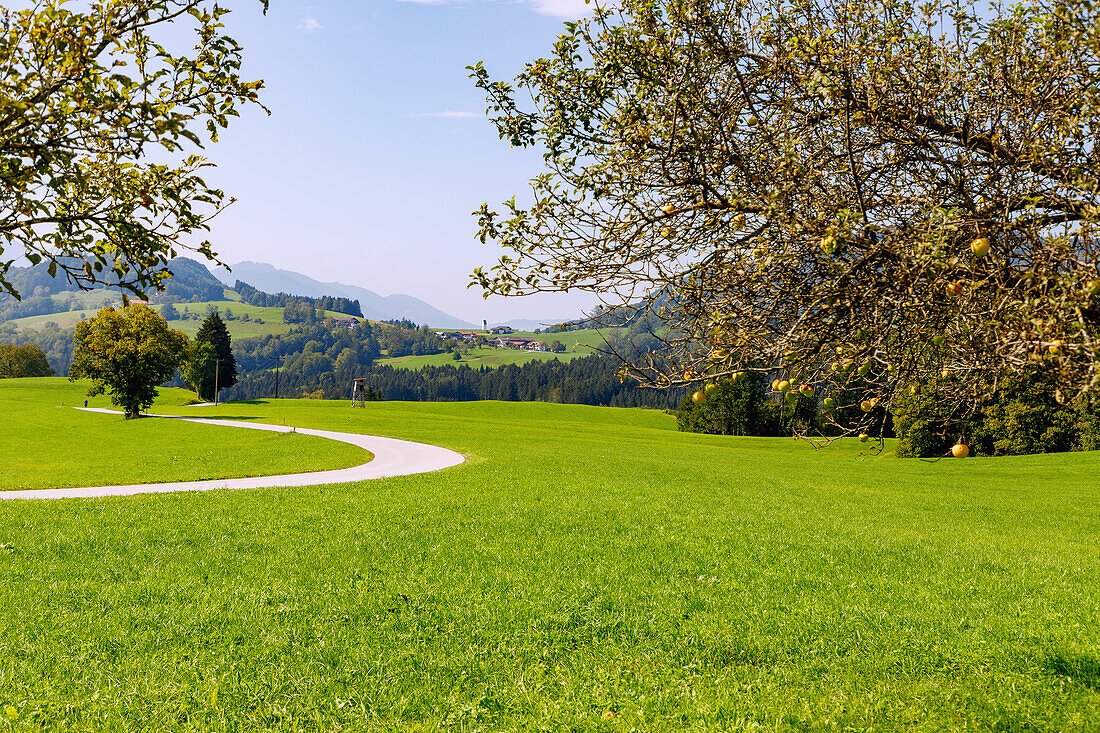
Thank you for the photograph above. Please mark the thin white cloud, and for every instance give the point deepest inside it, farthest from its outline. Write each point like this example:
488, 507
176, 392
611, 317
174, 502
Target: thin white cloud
553, 8
310, 24
449, 114
562, 8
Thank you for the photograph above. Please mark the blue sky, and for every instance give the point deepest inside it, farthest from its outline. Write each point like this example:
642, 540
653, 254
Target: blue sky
377, 148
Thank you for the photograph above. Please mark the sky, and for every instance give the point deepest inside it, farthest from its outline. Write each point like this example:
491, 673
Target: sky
377, 148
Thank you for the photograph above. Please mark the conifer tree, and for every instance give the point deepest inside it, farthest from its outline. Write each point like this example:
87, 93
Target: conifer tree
215, 363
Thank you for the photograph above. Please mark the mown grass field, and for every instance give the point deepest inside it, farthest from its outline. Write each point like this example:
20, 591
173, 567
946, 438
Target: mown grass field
45, 443
586, 569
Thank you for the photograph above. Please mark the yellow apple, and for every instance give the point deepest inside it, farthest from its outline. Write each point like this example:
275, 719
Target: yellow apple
830, 244
960, 450
863, 437
1093, 287
699, 396
954, 288
783, 385
980, 247
867, 405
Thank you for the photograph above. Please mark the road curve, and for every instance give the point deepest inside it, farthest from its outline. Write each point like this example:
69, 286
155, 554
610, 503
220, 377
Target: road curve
392, 457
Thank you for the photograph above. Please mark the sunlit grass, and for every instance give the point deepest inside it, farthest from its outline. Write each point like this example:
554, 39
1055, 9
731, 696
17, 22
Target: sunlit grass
584, 560
45, 443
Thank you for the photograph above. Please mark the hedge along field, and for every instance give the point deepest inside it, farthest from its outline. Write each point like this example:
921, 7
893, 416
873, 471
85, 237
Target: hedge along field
45, 443
588, 569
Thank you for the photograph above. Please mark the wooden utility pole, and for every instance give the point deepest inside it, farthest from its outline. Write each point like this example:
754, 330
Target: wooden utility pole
277, 359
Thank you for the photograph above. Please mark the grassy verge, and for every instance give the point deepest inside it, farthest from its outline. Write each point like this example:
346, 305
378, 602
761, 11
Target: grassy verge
45, 443
588, 569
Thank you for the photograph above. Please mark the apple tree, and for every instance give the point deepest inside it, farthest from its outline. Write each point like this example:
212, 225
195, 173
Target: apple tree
126, 353
99, 126
885, 195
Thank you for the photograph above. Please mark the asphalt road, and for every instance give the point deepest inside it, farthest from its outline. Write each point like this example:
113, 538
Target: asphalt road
392, 457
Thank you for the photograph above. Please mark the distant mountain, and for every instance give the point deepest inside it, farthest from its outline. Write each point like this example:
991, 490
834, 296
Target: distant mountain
271, 279
190, 281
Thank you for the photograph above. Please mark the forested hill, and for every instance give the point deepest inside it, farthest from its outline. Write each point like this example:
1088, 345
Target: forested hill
190, 282
590, 380
318, 360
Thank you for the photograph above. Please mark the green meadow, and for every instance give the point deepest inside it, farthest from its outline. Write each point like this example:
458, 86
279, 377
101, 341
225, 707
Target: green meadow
262, 321
480, 356
45, 443
586, 569
577, 344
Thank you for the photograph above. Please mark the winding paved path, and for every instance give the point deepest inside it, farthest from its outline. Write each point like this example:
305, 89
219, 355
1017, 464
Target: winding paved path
392, 457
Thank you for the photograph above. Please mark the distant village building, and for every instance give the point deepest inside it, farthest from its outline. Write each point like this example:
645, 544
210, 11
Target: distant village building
349, 323
505, 342
497, 330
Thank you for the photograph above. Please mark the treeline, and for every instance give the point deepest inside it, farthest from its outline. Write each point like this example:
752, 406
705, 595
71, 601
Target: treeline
589, 380
252, 296
55, 342
325, 370
34, 305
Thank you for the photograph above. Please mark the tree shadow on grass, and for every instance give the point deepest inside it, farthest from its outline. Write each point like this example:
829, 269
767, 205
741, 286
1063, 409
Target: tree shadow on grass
1083, 669
247, 402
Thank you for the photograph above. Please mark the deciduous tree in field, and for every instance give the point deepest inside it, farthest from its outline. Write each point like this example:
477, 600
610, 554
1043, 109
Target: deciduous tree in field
89, 99
901, 195
126, 353
23, 361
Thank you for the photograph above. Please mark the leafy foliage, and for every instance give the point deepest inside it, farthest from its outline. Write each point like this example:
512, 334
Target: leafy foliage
732, 407
127, 353
827, 188
1022, 417
88, 101
23, 361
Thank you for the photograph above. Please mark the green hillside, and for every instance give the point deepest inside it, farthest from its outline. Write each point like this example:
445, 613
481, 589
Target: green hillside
262, 321
577, 344
587, 569
481, 356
